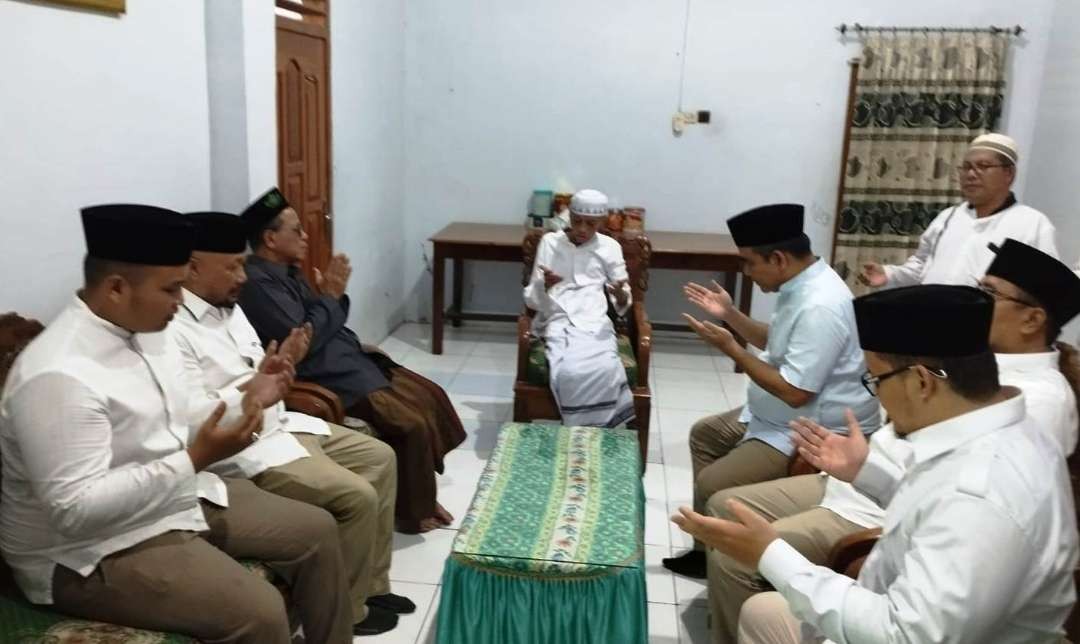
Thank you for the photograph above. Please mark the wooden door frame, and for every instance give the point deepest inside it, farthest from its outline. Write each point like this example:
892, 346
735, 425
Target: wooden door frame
849, 114
317, 31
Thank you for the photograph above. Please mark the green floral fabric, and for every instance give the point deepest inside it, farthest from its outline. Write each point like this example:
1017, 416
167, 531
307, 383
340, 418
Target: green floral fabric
556, 500
538, 373
551, 547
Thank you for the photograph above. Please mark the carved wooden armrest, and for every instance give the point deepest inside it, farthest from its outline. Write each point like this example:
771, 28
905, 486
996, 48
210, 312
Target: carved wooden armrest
644, 342
799, 466
524, 335
371, 348
849, 552
315, 400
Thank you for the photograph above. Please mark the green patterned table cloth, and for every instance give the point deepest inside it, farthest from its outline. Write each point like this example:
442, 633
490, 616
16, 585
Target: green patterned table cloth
551, 549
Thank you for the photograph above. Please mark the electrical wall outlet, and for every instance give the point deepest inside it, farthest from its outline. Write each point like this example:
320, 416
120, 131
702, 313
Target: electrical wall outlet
681, 119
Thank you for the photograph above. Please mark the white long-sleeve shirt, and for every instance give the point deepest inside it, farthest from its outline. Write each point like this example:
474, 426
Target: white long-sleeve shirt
581, 298
221, 351
93, 435
1051, 406
979, 542
953, 248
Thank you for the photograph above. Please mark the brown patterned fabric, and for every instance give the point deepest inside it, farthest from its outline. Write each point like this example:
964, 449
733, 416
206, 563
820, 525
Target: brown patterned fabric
921, 97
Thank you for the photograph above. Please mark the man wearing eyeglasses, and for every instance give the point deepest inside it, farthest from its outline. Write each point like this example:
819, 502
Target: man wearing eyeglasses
953, 249
1034, 295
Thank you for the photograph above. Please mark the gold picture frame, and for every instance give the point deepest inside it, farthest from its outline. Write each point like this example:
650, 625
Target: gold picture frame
110, 6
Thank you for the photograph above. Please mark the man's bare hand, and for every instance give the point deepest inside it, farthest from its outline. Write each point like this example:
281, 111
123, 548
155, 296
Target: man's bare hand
744, 540
215, 443
272, 380
335, 278
873, 274
296, 345
713, 334
835, 454
550, 278
715, 301
618, 291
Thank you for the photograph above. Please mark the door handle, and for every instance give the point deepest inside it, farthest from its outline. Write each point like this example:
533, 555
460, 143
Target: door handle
327, 216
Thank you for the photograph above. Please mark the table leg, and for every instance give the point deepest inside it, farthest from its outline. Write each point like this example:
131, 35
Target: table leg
437, 287
729, 286
746, 291
459, 278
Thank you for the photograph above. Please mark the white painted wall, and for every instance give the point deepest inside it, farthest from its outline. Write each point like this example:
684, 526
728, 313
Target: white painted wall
1052, 184
95, 109
367, 96
505, 97
240, 64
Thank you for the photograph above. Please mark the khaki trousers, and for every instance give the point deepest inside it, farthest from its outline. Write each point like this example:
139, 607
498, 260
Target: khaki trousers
353, 477
790, 504
720, 461
190, 583
767, 619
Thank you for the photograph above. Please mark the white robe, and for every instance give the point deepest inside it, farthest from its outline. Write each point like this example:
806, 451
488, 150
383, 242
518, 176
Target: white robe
587, 377
953, 249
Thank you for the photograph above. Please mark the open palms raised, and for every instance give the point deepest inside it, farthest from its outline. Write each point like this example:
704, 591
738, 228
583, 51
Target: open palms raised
835, 454
715, 301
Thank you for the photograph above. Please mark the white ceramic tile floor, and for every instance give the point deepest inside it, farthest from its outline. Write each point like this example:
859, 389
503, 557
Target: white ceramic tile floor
477, 370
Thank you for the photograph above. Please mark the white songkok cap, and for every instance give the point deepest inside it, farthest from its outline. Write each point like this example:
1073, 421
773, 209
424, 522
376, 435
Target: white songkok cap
589, 203
999, 143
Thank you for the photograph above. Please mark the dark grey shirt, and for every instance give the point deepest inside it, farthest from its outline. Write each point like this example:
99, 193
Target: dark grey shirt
277, 299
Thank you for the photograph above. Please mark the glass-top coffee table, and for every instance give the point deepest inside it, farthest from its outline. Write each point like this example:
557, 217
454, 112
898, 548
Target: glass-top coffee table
551, 549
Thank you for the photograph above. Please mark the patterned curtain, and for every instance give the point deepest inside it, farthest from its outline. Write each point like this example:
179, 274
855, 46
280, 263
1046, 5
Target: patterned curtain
920, 98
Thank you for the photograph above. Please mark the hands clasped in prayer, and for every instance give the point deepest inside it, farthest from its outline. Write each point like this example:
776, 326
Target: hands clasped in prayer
265, 389
333, 281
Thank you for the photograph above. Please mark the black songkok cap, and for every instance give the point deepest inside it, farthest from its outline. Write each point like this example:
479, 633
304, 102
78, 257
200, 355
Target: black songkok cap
932, 320
138, 234
1053, 285
767, 225
219, 232
260, 213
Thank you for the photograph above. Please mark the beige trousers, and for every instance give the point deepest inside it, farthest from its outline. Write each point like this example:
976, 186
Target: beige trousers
767, 619
720, 461
790, 504
191, 583
353, 477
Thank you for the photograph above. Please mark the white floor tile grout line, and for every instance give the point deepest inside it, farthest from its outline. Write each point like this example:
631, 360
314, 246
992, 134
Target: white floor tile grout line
435, 597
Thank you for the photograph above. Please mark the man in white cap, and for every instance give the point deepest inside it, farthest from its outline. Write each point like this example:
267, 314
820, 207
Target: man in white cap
953, 248
576, 272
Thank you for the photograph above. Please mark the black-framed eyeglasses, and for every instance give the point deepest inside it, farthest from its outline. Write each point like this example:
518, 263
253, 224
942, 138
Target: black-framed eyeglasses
979, 168
998, 295
872, 382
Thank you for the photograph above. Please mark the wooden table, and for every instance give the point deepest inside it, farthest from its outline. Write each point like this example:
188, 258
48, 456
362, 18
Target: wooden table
460, 241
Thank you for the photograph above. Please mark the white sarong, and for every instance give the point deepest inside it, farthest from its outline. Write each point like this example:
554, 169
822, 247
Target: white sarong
588, 378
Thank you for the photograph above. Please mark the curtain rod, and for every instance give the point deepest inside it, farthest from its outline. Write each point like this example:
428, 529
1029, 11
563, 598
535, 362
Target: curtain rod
856, 27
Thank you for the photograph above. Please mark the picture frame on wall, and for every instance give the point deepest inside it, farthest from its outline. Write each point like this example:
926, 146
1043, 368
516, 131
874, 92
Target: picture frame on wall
110, 6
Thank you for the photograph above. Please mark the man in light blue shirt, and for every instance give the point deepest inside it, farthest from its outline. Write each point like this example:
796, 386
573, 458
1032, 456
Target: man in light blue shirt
811, 365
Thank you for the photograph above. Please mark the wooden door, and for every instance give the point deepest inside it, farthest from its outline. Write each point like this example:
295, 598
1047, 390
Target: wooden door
303, 101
